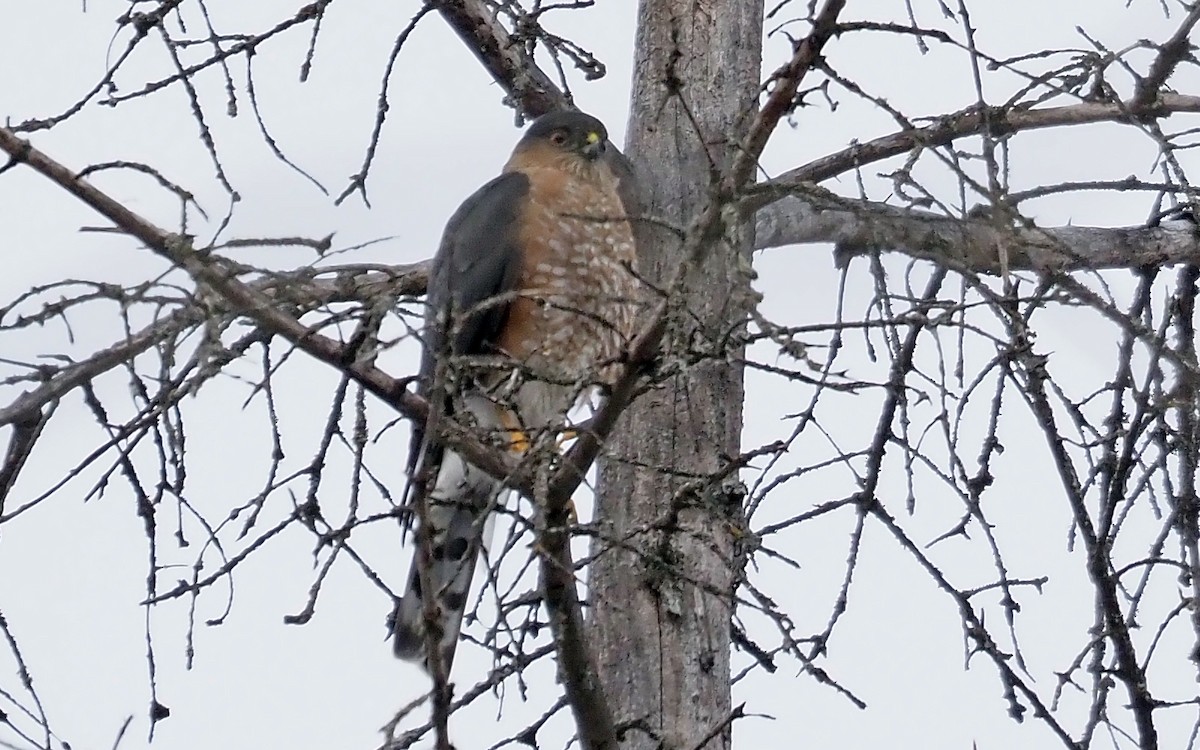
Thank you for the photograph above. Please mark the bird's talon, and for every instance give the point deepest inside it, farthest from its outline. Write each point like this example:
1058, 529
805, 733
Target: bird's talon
566, 436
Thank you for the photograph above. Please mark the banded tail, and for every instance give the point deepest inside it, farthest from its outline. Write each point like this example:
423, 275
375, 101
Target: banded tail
460, 517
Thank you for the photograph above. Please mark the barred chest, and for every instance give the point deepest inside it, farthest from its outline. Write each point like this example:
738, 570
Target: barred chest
579, 292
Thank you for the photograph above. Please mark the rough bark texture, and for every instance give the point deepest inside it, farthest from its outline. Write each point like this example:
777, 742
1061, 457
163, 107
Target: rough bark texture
863, 227
662, 636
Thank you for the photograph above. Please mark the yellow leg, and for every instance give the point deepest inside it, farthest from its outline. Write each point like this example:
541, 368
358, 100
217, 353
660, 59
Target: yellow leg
518, 441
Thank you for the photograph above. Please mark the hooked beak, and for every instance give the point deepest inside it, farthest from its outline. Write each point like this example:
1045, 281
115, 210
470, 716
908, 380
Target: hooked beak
594, 147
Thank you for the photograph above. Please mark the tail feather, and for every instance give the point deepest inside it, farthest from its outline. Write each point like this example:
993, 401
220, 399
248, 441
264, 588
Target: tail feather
459, 517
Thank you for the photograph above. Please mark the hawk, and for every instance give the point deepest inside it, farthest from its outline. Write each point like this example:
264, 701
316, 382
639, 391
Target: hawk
531, 302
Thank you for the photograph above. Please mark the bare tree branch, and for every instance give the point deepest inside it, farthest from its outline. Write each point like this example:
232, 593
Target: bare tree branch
1171, 53
786, 80
860, 227
529, 89
252, 302
999, 120
305, 290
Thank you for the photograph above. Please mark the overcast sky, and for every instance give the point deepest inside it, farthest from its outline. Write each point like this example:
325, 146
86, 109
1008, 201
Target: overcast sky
72, 574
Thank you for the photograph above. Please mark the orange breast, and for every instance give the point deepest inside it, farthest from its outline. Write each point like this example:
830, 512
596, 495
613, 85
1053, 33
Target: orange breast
577, 293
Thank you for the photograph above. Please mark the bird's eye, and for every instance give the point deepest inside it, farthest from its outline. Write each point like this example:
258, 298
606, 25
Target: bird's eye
558, 137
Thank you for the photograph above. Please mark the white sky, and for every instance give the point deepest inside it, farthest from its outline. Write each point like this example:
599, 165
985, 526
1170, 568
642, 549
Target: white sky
72, 575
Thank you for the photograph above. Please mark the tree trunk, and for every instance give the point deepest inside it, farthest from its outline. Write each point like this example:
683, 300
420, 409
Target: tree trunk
661, 619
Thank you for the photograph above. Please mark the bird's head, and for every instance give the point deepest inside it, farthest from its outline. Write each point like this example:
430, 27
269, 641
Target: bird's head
571, 140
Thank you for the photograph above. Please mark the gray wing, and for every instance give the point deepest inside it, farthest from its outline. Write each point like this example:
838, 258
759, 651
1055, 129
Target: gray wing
479, 259
628, 185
